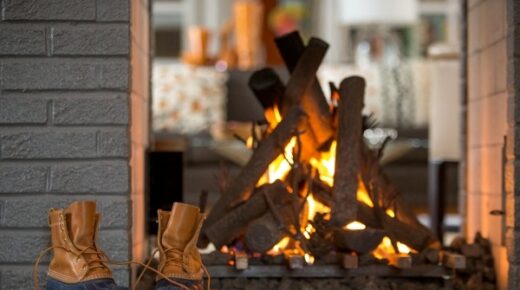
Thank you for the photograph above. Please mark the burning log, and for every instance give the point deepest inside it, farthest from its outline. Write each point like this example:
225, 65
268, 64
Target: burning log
291, 48
234, 223
349, 140
404, 226
269, 90
263, 233
405, 233
360, 241
271, 147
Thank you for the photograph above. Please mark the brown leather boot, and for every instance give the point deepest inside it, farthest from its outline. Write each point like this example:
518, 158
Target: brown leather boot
177, 241
76, 257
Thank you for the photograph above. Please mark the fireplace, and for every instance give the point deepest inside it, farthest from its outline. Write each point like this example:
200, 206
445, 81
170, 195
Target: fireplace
313, 202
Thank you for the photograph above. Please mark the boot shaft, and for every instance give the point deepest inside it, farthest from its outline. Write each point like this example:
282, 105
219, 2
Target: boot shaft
177, 242
76, 256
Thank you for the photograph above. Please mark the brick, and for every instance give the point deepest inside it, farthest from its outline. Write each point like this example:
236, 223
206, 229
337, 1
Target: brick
474, 77
121, 275
49, 10
22, 246
23, 178
115, 243
31, 212
87, 110
89, 177
48, 144
20, 277
491, 175
14, 110
500, 66
113, 10
512, 205
98, 39
65, 74
474, 33
509, 176
113, 143
494, 119
22, 39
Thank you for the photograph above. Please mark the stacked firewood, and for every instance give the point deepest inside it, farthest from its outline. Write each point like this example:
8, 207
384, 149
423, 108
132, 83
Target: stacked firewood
258, 217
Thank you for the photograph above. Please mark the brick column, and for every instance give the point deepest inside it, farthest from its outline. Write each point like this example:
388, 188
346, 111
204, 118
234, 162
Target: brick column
493, 67
64, 124
512, 178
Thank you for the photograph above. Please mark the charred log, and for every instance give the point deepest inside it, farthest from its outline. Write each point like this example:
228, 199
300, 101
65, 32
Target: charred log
234, 223
291, 48
349, 139
271, 147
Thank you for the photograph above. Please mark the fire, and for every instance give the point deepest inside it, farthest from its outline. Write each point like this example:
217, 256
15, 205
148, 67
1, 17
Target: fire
325, 164
386, 248
355, 226
249, 142
315, 207
390, 213
280, 167
309, 259
280, 246
362, 195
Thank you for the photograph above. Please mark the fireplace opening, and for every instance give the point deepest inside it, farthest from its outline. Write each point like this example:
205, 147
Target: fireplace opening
351, 161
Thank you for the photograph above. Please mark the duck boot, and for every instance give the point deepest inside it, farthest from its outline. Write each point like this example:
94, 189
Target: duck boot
179, 259
77, 262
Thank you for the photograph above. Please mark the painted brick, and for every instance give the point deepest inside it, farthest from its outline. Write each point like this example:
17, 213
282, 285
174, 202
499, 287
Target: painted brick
49, 10
22, 39
500, 55
474, 77
491, 175
87, 110
112, 39
113, 10
474, 33
487, 70
113, 143
48, 144
31, 212
121, 275
494, 119
24, 246
65, 74
14, 110
115, 243
88, 177
23, 178
20, 277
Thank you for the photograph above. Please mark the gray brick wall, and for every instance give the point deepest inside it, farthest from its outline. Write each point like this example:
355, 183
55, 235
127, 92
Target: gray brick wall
64, 125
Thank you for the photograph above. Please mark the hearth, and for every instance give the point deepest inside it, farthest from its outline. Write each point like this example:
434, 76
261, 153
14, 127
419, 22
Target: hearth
313, 201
